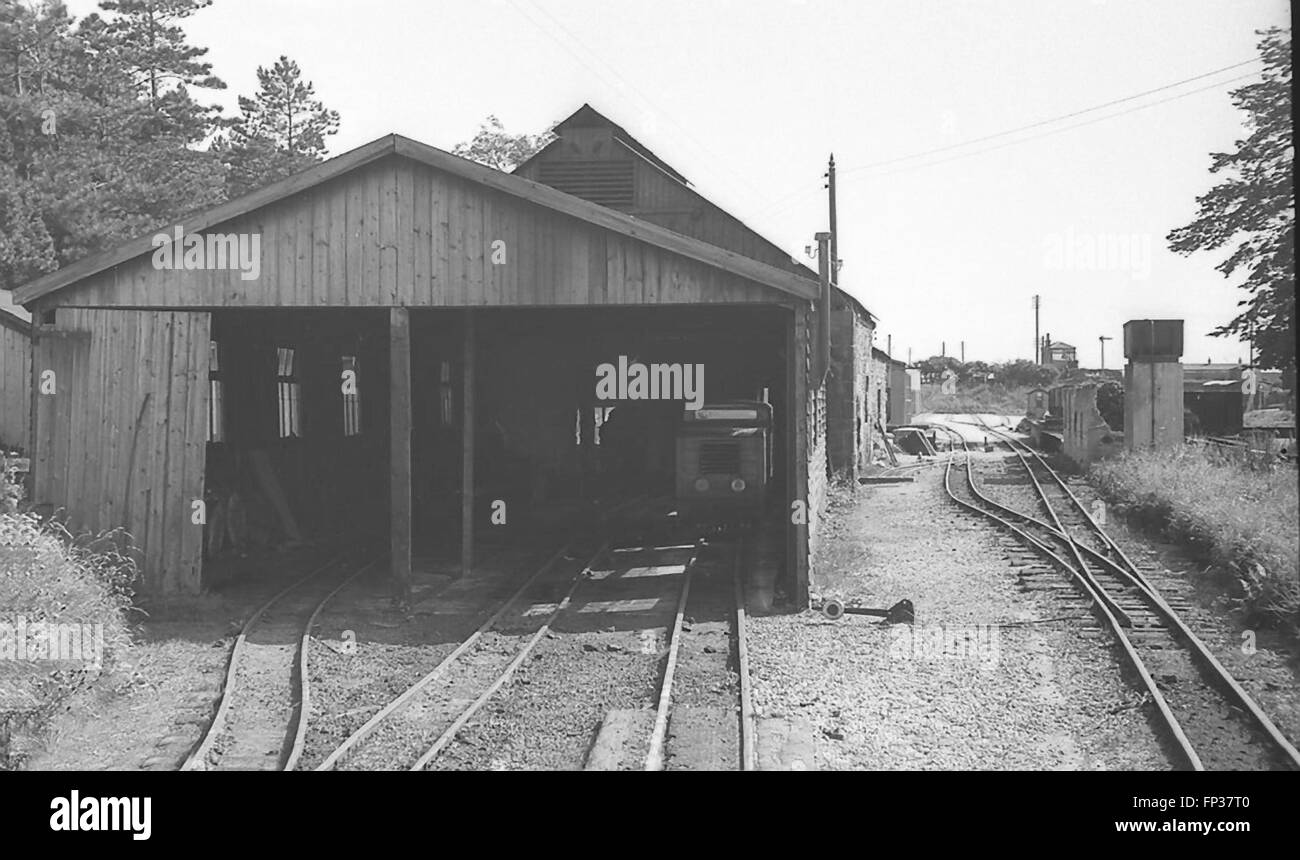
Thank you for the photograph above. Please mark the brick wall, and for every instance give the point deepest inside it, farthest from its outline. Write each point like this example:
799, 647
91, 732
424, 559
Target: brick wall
848, 430
877, 402
1086, 436
840, 427
817, 480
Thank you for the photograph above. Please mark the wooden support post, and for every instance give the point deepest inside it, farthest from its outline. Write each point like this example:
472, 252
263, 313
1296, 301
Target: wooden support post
797, 447
399, 346
467, 451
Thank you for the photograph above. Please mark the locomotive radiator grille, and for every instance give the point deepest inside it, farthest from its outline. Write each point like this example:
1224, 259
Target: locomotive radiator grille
719, 458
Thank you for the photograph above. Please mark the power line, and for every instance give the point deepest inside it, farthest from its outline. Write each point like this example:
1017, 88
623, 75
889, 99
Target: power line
1051, 120
798, 196
1069, 127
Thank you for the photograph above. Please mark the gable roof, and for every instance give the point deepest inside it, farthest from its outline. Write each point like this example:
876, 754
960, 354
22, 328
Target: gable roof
857, 306
11, 320
880, 354
588, 117
394, 144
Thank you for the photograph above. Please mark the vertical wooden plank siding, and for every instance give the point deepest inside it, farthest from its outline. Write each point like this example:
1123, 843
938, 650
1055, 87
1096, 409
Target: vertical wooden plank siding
400, 233
121, 442
15, 384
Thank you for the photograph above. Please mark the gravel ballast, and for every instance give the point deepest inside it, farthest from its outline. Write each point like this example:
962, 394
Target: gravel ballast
988, 677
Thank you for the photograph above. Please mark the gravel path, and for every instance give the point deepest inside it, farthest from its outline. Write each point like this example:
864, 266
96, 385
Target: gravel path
986, 678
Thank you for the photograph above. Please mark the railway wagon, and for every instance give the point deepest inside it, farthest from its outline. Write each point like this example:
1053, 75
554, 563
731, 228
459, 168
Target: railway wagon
724, 458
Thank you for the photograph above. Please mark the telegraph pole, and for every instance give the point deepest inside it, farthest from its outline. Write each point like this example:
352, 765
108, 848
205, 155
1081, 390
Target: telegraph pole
835, 234
963, 352
1103, 340
1038, 351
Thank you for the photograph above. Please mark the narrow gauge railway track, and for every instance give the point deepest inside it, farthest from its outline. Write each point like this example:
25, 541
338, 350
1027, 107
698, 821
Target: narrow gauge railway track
685, 736
261, 716
416, 727
1211, 719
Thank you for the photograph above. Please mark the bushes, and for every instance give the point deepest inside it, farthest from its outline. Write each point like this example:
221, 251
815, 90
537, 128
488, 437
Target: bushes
1247, 521
976, 398
63, 616
11, 495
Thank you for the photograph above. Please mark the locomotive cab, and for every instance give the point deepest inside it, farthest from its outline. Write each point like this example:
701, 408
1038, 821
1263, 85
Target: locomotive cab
724, 457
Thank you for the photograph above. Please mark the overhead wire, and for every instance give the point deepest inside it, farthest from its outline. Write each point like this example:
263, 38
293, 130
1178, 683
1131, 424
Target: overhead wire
789, 200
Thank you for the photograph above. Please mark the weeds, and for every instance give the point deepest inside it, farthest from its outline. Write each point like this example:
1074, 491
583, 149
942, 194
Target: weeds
51, 580
1244, 520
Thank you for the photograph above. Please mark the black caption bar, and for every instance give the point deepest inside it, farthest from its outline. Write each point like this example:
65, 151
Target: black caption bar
136, 811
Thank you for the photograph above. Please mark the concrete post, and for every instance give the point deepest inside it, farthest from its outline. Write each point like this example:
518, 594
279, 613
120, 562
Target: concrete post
1153, 384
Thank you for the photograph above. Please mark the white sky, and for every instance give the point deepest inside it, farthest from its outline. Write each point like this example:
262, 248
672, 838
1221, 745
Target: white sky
748, 97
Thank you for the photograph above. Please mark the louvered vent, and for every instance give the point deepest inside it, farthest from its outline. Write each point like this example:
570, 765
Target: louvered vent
607, 183
719, 458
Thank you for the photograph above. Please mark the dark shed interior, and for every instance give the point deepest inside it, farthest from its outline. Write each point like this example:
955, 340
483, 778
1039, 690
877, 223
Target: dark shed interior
299, 421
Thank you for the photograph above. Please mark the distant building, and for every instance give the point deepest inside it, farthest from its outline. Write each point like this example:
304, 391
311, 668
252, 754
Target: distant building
1058, 354
1213, 393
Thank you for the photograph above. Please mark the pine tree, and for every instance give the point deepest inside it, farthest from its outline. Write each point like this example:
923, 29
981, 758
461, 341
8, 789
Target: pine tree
147, 35
91, 159
281, 130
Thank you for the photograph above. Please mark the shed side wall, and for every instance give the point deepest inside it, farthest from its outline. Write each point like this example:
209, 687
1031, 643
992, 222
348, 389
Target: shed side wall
120, 442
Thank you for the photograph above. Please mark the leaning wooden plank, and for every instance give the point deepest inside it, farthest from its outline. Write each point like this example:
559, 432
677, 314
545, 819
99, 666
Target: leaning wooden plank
889, 446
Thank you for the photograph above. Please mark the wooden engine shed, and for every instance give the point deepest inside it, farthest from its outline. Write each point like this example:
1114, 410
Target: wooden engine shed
407, 338
15, 379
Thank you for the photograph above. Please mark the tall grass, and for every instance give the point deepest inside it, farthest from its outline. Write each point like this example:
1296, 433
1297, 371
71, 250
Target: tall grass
1245, 520
48, 577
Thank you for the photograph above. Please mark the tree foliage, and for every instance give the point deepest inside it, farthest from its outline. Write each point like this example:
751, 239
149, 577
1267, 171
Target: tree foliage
1020, 373
1253, 207
147, 38
102, 138
495, 147
281, 130
932, 368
